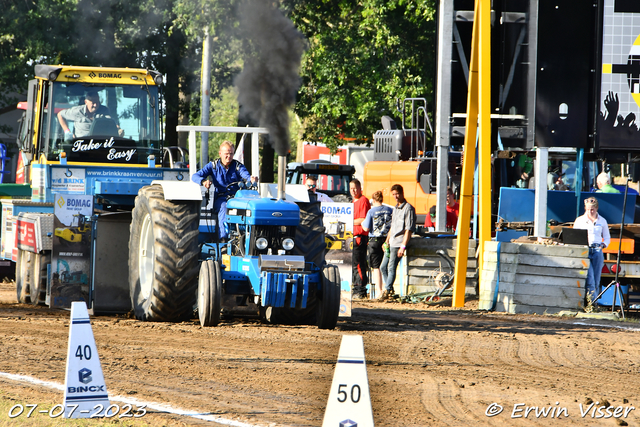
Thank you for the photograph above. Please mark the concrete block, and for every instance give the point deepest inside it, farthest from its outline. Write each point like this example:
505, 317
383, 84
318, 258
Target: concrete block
537, 270
529, 279
540, 261
560, 292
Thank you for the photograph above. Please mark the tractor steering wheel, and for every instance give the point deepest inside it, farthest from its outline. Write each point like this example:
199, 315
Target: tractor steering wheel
243, 184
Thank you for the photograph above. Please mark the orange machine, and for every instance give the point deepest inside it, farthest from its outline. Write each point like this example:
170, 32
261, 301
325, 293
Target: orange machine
414, 176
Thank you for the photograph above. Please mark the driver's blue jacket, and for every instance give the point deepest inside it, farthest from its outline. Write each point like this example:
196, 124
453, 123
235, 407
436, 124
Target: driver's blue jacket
222, 176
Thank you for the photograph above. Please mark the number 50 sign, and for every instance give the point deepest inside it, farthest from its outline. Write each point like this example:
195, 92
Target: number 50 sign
349, 403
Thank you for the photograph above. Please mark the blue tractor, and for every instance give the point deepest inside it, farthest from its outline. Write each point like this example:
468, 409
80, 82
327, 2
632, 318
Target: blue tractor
272, 265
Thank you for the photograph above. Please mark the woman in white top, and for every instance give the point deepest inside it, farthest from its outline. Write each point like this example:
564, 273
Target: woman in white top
598, 231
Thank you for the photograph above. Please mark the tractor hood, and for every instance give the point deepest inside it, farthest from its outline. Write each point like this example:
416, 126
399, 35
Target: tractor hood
250, 209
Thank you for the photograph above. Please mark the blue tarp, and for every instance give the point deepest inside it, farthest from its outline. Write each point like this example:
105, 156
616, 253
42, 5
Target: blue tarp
518, 205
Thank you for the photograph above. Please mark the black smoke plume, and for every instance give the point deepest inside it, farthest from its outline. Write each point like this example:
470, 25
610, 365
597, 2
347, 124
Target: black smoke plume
270, 78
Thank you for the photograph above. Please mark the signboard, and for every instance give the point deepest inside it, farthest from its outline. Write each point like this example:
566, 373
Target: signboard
106, 150
620, 82
71, 255
70, 181
38, 183
338, 227
27, 235
7, 238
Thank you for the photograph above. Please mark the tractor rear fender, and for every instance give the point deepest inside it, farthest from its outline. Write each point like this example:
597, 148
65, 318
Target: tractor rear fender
180, 190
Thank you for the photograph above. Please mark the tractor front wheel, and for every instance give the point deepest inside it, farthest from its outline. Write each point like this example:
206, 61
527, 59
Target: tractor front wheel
209, 293
163, 256
328, 306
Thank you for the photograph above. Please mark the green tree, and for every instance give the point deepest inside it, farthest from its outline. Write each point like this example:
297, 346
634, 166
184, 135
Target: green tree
125, 34
362, 56
32, 32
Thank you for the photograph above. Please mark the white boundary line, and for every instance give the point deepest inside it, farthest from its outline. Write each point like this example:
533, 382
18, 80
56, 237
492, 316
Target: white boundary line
625, 328
151, 405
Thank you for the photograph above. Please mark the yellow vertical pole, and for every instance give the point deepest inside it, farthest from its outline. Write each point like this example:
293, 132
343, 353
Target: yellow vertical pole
484, 145
469, 158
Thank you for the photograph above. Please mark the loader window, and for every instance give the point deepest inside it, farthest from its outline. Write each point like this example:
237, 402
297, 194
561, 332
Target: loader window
107, 123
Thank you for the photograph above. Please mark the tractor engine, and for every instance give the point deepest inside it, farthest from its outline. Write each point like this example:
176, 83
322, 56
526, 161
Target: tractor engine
261, 226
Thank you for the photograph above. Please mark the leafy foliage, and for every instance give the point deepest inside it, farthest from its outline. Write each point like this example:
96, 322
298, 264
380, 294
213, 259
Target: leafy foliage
363, 55
29, 34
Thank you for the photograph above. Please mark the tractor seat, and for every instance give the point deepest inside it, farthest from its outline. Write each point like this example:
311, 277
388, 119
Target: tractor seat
104, 127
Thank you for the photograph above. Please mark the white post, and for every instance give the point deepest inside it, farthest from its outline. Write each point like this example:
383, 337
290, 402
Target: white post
443, 92
192, 153
540, 175
255, 151
205, 94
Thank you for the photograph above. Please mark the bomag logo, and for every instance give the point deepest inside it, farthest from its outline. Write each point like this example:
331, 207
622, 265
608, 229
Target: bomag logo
109, 75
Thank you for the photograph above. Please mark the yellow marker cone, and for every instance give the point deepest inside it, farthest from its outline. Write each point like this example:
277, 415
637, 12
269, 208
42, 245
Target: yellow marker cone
85, 392
349, 403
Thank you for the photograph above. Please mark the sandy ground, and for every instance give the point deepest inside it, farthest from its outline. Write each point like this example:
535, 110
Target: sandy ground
427, 366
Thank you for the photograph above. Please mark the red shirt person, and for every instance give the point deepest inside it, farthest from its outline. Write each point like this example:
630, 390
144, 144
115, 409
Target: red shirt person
361, 206
453, 209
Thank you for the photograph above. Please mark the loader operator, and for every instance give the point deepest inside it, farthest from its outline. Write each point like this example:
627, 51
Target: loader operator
223, 171
82, 117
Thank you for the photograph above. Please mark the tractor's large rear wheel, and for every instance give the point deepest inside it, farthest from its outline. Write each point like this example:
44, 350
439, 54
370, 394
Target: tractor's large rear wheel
328, 306
163, 256
310, 241
209, 293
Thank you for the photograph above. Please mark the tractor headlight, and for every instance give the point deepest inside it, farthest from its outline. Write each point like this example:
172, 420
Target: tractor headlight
287, 244
261, 243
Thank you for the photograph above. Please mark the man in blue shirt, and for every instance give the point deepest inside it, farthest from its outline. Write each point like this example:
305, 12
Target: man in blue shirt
223, 172
377, 223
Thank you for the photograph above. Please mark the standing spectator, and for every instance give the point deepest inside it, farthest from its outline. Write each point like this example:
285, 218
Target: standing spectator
377, 223
312, 184
361, 206
599, 237
403, 224
604, 184
453, 210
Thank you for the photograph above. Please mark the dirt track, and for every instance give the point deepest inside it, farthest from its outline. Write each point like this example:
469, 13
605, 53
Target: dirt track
427, 366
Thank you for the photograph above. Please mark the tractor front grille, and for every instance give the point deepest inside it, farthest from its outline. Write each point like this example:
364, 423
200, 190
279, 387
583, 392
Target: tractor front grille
274, 234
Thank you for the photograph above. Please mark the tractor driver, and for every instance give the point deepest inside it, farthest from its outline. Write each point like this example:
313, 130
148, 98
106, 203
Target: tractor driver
82, 117
223, 171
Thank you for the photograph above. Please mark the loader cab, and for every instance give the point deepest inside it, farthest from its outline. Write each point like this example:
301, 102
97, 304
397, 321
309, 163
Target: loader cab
333, 179
124, 129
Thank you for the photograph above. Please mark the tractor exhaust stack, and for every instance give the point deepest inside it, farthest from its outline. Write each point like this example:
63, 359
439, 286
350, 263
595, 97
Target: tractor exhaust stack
282, 170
